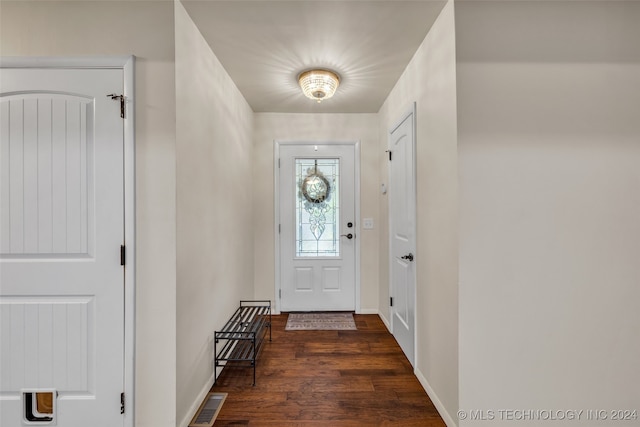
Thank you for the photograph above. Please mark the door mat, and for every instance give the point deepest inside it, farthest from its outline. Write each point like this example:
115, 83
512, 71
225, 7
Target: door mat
208, 411
320, 322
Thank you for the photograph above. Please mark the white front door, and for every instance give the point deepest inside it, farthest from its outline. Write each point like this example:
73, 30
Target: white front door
317, 227
61, 231
402, 229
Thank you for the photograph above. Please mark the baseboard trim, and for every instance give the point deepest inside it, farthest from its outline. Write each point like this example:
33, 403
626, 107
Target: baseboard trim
448, 420
385, 321
195, 405
368, 311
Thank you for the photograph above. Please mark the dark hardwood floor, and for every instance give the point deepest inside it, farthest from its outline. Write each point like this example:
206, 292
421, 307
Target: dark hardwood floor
327, 378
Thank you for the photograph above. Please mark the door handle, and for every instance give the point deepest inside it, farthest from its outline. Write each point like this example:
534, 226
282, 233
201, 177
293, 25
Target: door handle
348, 236
408, 257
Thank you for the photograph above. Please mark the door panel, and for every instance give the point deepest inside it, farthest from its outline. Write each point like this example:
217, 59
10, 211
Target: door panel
402, 209
61, 227
316, 204
46, 185
48, 343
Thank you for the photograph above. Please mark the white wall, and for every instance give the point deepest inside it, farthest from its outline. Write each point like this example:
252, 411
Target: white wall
430, 81
549, 145
270, 127
214, 208
53, 28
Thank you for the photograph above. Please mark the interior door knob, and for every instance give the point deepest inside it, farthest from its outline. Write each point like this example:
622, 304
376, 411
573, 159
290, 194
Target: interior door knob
348, 236
408, 257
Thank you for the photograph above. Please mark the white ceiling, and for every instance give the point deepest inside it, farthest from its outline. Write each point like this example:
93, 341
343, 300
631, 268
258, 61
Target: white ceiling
265, 44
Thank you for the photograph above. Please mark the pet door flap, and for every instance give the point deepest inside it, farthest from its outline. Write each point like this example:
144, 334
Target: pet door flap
39, 407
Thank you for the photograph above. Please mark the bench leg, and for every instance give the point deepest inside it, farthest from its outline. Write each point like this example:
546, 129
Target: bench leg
215, 362
254, 361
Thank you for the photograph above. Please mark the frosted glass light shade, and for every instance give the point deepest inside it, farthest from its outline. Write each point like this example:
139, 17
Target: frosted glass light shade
319, 84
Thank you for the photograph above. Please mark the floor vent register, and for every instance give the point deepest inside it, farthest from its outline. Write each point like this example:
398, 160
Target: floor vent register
208, 411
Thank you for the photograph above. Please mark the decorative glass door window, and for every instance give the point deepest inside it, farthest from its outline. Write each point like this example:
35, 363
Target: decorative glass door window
317, 208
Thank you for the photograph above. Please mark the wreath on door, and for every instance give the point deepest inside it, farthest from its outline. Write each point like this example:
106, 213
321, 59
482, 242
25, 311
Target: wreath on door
315, 187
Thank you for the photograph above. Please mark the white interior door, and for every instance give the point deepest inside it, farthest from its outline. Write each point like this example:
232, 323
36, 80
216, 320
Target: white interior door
317, 227
61, 231
402, 229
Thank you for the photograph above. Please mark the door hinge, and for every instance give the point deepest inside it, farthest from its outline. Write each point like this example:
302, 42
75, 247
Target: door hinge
390, 301
122, 403
280, 293
123, 254
389, 151
279, 228
121, 98
278, 163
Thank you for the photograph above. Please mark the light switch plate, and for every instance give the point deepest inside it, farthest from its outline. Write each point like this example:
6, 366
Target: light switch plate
367, 223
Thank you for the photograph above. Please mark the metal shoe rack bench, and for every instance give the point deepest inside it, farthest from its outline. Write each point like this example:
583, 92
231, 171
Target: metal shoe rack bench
243, 335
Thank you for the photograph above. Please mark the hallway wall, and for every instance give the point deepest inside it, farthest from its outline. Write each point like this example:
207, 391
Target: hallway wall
269, 127
549, 143
430, 81
214, 126
52, 28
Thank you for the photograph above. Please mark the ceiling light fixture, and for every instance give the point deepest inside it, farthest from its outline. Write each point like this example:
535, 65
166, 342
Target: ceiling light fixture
318, 84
